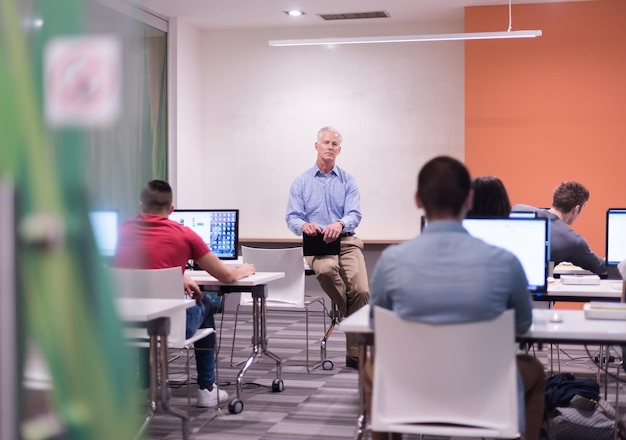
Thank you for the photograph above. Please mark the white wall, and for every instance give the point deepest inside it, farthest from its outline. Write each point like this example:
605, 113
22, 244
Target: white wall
397, 105
186, 112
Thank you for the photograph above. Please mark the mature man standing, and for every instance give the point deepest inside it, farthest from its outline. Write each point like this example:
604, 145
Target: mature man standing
325, 200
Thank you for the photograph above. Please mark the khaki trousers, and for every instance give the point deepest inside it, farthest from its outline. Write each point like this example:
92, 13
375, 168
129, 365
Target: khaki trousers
344, 279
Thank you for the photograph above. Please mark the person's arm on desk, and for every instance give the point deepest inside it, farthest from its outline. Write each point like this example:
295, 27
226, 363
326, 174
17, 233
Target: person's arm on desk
225, 274
585, 258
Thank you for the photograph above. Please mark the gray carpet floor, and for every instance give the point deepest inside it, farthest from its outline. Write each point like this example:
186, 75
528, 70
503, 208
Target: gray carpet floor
323, 404
316, 405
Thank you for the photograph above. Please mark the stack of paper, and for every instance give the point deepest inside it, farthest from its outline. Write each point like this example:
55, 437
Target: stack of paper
605, 310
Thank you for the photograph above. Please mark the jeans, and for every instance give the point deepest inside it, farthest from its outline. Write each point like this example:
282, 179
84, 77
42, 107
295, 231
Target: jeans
201, 316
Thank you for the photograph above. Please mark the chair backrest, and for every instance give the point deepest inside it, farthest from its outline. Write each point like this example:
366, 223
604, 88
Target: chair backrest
453, 374
154, 283
288, 290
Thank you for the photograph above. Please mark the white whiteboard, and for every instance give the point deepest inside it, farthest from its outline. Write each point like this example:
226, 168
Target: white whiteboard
397, 105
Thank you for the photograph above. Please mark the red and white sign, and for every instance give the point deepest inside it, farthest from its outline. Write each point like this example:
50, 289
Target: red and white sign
82, 81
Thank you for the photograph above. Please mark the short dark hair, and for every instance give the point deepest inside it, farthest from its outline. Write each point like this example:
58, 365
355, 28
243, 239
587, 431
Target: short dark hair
569, 194
156, 196
443, 184
490, 198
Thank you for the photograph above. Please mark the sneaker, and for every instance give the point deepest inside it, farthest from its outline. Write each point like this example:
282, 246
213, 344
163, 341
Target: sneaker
208, 399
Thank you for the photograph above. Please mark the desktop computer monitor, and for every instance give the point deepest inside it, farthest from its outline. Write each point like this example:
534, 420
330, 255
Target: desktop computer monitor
104, 224
527, 238
615, 236
219, 228
522, 214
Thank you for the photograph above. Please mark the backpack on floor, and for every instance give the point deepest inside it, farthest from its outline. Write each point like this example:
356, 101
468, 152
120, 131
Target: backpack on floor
575, 410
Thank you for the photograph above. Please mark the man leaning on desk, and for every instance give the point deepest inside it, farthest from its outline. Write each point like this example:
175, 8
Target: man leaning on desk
568, 201
325, 200
413, 279
153, 241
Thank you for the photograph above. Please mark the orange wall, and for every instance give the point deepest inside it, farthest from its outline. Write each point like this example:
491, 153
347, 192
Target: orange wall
540, 111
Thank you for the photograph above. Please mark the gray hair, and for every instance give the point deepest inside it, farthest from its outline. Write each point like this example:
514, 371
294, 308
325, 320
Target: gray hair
332, 130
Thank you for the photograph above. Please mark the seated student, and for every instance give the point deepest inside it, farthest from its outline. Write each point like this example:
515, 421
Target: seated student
153, 241
408, 278
490, 198
568, 201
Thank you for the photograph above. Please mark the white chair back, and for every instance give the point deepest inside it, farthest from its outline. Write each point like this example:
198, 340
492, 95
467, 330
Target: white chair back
288, 291
154, 283
452, 379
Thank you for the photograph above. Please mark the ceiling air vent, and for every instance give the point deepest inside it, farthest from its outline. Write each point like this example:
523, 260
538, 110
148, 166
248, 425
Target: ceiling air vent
354, 15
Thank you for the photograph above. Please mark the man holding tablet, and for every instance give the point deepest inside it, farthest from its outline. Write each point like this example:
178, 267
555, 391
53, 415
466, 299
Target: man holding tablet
325, 201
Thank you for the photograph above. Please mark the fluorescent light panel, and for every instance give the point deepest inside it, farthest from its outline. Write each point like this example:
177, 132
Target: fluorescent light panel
408, 38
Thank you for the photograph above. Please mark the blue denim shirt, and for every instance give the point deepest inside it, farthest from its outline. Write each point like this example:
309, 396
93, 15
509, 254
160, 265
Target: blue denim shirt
323, 199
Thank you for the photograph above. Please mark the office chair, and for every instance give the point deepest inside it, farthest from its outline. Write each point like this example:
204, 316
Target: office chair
474, 396
286, 294
160, 284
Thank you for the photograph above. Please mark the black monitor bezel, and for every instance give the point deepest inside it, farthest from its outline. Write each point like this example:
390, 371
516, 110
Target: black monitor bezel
210, 210
532, 289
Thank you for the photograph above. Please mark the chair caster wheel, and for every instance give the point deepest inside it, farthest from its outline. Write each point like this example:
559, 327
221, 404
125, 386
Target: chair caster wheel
278, 386
235, 406
327, 364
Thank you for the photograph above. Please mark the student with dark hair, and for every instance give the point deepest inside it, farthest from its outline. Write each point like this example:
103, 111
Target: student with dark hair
568, 201
490, 198
153, 241
409, 278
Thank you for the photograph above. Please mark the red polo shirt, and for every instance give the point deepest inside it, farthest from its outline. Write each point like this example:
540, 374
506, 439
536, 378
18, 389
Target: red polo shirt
151, 241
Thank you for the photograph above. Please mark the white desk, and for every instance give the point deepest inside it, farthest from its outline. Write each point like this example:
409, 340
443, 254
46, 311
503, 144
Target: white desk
607, 290
575, 329
155, 314
257, 285
260, 278
144, 309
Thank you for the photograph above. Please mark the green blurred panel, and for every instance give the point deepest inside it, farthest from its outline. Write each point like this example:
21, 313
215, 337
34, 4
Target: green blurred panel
60, 173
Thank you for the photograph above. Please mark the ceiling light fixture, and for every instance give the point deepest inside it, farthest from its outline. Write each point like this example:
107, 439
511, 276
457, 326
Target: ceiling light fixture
294, 13
410, 38
407, 38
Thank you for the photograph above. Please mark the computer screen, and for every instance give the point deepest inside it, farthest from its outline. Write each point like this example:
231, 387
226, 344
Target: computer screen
219, 228
527, 238
104, 224
615, 235
522, 214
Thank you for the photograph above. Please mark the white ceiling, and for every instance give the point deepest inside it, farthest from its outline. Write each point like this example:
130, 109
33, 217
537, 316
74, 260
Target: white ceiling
232, 14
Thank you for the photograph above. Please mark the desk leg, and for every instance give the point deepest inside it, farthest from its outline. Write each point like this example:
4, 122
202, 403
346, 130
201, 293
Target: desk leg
165, 392
158, 330
361, 422
265, 338
235, 404
154, 359
259, 347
